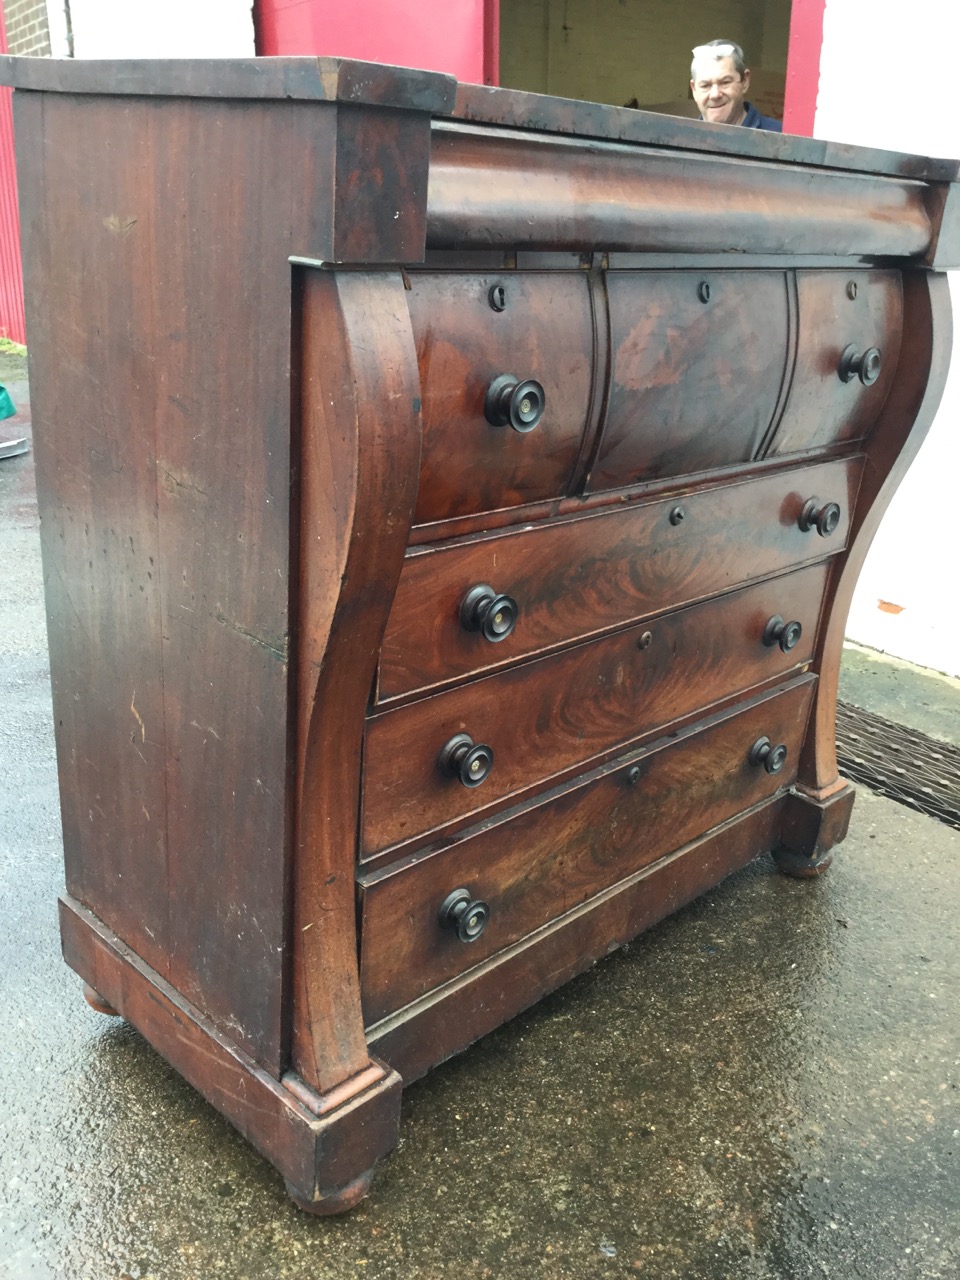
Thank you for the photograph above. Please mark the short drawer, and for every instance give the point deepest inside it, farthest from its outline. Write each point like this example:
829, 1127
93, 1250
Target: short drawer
848, 345
697, 371
549, 717
560, 851
579, 577
476, 333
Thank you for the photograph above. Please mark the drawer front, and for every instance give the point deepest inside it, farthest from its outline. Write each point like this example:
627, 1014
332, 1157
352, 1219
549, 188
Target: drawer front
551, 716
697, 372
539, 327
561, 851
838, 312
580, 577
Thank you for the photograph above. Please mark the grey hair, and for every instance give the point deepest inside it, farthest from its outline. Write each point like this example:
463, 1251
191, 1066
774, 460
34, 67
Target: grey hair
712, 50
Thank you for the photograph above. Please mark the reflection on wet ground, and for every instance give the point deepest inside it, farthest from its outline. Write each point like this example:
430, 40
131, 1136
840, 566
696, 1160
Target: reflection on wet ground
763, 1086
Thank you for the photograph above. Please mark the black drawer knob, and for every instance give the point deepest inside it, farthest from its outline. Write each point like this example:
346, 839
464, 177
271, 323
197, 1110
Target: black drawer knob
773, 758
510, 402
864, 365
824, 517
465, 915
466, 760
785, 634
492, 615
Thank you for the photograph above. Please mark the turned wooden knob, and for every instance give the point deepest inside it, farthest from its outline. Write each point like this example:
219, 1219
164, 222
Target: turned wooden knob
493, 615
824, 517
468, 761
773, 758
785, 634
465, 915
864, 365
512, 402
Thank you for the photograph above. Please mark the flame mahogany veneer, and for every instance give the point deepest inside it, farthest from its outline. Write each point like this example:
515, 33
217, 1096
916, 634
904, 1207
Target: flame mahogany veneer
451, 502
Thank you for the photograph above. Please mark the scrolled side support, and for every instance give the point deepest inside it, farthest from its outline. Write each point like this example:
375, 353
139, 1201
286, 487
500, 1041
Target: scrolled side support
818, 813
360, 451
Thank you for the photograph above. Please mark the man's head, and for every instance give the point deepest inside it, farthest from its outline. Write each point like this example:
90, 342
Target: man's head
720, 80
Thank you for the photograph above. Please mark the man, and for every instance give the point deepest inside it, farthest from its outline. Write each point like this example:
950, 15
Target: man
720, 80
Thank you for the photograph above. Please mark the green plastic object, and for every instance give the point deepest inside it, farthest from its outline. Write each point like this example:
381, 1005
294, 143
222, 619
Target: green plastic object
7, 407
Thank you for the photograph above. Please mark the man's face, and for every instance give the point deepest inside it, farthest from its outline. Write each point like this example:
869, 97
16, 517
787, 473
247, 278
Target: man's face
718, 91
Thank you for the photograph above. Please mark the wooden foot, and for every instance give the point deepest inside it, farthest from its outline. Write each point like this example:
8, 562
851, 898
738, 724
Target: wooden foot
325, 1203
324, 1145
810, 828
791, 863
96, 1001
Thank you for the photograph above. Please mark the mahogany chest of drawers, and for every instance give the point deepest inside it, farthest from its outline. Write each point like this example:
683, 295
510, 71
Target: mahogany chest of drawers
451, 500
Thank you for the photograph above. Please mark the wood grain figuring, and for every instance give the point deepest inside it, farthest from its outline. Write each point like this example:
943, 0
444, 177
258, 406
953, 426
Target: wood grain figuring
561, 851
579, 577
543, 332
697, 368
821, 409
449, 1019
361, 459
546, 717
523, 190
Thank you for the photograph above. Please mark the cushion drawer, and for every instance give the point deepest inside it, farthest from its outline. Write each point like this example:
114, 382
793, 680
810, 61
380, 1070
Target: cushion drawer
548, 717
544, 331
697, 371
563, 849
839, 310
580, 577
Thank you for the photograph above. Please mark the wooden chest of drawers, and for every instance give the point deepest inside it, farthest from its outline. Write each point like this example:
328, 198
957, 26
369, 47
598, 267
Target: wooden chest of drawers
449, 521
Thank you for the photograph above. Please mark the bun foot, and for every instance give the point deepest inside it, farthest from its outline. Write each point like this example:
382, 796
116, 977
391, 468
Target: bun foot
798, 865
340, 1200
96, 1001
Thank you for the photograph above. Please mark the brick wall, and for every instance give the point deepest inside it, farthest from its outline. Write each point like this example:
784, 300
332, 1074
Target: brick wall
28, 31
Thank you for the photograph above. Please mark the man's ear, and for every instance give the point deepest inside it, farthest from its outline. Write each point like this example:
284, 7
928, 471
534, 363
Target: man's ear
746, 79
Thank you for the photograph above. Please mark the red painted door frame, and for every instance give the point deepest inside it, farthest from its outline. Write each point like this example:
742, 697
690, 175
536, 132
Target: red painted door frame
803, 66
12, 323
460, 37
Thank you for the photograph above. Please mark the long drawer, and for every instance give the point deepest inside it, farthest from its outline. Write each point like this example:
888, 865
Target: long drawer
579, 577
555, 714
558, 852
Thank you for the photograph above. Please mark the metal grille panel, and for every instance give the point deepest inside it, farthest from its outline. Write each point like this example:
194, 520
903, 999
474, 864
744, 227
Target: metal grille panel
899, 762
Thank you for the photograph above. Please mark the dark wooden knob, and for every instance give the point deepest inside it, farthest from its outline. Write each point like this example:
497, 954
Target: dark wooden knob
824, 517
466, 760
773, 758
494, 616
510, 402
785, 634
864, 365
465, 915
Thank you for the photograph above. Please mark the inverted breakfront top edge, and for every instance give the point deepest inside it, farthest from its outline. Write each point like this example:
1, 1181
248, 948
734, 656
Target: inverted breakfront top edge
345, 80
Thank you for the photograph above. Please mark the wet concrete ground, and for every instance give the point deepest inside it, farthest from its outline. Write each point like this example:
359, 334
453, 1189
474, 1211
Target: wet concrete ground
765, 1086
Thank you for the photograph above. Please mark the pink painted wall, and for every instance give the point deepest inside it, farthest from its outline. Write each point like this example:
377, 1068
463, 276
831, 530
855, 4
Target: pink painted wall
11, 275
459, 37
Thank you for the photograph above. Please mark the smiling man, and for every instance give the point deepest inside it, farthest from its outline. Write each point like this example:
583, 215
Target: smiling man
720, 80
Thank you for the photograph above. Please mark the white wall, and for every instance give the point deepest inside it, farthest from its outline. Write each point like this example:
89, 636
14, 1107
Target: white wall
886, 81
152, 28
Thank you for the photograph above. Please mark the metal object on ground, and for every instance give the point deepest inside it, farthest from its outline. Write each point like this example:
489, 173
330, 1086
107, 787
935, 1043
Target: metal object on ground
899, 762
